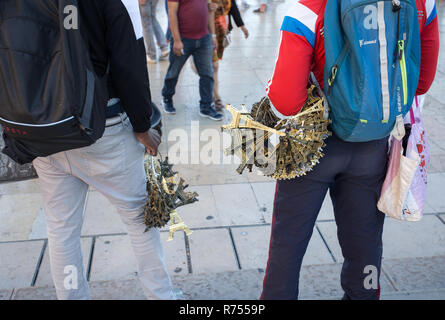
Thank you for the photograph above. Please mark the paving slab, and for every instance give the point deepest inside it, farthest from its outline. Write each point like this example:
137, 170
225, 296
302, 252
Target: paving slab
202, 213
20, 187
100, 290
44, 277
442, 217
212, 251
252, 245
215, 286
17, 215
401, 239
316, 282
265, 194
327, 210
113, 259
414, 274
237, 205
437, 164
5, 294
35, 293
101, 217
232, 285
425, 238
434, 196
18, 263
117, 290
255, 176
319, 281
39, 229
211, 174
421, 295
175, 253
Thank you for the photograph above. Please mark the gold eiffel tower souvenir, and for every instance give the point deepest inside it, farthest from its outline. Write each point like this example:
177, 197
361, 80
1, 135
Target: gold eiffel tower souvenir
176, 224
301, 137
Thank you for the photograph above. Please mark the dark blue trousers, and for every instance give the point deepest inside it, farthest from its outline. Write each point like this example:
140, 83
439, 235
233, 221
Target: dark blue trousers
202, 51
353, 173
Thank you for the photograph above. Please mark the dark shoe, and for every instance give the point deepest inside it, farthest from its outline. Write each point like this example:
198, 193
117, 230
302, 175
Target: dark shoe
211, 113
218, 105
168, 106
261, 9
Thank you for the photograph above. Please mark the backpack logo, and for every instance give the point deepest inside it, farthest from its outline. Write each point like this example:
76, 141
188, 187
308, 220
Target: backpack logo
364, 43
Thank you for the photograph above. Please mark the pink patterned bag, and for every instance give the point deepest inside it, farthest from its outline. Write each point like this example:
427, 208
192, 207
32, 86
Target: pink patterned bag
404, 189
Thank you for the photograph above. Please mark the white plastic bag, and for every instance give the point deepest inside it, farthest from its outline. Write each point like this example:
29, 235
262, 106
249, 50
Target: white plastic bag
404, 189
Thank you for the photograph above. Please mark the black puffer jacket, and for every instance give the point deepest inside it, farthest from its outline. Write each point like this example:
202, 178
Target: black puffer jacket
114, 33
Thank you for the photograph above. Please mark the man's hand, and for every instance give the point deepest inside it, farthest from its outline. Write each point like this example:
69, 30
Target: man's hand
150, 139
212, 6
214, 43
178, 47
142, 2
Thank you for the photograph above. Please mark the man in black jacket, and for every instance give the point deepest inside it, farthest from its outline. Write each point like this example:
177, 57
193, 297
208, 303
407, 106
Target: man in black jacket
114, 164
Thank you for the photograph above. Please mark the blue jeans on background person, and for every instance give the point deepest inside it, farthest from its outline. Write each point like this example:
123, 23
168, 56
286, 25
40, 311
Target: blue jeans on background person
201, 50
168, 33
152, 28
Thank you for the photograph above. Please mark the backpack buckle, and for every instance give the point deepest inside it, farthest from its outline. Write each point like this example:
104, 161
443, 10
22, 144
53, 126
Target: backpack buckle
396, 5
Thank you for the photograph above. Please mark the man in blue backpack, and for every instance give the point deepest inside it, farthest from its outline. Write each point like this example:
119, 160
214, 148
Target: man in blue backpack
369, 66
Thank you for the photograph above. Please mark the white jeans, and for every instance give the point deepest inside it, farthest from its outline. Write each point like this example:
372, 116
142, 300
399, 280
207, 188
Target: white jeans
114, 167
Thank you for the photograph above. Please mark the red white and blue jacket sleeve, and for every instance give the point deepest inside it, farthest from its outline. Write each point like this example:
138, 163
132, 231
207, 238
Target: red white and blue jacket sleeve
287, 87
429, 37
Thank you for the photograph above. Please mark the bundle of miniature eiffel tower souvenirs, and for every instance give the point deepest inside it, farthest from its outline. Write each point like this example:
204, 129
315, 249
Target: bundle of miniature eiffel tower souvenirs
301, 140
166, 193
301, 137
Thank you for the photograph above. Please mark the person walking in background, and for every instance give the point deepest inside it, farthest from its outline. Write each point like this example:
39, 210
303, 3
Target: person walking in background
152, 30
226, 9
235, 14
192, 27
168, 33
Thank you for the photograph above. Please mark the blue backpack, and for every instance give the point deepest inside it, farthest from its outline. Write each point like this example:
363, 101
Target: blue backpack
372, 51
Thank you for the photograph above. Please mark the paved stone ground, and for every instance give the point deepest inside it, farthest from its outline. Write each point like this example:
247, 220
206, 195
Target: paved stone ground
225, 257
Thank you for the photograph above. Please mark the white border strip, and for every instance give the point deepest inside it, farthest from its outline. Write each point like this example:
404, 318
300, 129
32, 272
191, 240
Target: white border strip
383, 59
37, 125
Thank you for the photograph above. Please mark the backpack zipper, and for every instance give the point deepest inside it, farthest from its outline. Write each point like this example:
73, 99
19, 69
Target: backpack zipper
401, 47
336, 66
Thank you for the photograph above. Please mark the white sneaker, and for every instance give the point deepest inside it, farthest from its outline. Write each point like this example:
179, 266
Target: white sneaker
150, 60
165, 52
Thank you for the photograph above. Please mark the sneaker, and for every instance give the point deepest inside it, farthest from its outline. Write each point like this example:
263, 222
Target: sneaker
151, 60
168, 106
211, 113
165, 52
